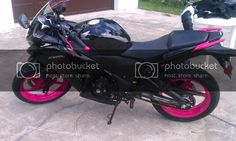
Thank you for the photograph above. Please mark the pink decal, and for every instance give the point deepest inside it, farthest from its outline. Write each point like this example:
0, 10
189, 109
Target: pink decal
210, 29
207, 44
87, 49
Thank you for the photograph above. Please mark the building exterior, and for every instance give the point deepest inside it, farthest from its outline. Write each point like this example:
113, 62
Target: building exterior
11, 9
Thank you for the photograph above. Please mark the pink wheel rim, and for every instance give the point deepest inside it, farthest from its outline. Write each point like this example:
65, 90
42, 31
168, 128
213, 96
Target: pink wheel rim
28, 93
195, 110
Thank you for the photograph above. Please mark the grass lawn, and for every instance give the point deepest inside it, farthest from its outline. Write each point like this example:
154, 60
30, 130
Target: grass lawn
169, 6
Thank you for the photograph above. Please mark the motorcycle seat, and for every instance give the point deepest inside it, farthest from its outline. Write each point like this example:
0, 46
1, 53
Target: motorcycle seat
147, 50
173, 41
185, 39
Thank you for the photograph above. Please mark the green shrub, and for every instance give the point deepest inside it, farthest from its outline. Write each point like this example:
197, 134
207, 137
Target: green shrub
167, 6
172, 3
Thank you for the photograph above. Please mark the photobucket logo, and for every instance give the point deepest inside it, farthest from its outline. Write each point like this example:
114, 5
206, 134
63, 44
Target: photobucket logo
182, 66
72, 66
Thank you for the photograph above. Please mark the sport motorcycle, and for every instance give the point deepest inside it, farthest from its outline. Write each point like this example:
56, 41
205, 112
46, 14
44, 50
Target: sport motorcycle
98, 59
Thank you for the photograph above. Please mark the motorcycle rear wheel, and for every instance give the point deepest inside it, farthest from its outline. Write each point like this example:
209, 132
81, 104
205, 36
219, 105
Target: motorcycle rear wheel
210, 92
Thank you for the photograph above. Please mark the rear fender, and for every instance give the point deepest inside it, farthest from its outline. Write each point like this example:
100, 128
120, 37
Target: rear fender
219, 50
222, 55
226, 64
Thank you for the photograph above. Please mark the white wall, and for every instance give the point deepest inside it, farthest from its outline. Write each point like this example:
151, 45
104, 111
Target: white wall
121, 5
6, 15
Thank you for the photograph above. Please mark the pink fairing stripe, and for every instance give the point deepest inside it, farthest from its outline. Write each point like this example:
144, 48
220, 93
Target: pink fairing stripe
207, 44
69, 44
210, 29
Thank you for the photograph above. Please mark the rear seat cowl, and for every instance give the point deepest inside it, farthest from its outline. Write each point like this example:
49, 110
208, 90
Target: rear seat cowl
185, 39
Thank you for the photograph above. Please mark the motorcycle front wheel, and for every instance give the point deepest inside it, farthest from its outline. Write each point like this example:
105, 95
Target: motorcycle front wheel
31, 89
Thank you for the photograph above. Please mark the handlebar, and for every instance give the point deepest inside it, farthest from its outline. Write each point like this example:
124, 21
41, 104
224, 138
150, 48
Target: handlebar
82, 47
73, 36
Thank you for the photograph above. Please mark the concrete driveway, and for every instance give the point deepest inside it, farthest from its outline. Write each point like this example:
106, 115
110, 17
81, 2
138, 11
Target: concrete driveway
73, 118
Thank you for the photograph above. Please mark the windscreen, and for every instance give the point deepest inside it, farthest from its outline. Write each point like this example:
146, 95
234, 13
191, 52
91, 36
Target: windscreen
53, 4
49, 6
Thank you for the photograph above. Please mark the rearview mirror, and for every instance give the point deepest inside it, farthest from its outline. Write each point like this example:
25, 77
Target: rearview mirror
24, 21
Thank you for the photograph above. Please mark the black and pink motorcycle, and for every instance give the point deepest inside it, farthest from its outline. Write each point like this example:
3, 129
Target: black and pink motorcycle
98, 58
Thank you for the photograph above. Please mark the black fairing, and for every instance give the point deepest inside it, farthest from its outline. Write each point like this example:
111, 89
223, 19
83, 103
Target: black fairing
106, 36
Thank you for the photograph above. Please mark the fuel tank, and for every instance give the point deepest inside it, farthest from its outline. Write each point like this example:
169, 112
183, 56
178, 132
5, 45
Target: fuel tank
104, 35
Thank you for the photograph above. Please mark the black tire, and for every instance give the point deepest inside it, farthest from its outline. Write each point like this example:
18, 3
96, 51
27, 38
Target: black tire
211, 85
16, 89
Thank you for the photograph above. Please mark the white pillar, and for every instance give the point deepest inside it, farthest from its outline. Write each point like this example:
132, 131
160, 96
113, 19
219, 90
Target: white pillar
121, 5
6, 15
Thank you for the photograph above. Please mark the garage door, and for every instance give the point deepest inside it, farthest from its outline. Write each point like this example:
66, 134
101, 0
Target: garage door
31, 7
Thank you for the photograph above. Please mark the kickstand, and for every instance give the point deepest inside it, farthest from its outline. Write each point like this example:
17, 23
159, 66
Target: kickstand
113, 113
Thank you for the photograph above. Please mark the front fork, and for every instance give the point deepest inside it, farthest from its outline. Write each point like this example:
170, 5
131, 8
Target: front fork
43, 73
